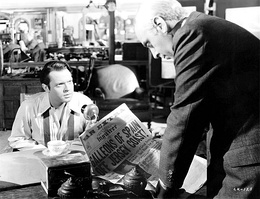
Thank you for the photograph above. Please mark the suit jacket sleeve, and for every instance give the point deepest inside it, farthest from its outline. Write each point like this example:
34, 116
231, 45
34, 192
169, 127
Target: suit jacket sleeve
188, 117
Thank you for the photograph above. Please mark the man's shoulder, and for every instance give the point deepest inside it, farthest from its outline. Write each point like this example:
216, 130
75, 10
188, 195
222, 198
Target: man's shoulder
42, 45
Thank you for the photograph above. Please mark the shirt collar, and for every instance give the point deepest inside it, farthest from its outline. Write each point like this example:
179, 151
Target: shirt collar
73, 105
45, 104
178, 25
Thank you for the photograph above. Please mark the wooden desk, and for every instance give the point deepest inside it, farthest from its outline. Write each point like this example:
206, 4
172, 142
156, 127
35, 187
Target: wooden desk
20, 176
36, 191
32, 191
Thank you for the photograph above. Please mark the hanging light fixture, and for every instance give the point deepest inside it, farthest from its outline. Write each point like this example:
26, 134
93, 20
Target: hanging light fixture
110, 5
91, 4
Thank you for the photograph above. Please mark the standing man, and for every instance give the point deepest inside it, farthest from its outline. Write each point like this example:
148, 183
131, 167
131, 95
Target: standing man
53, 114
217, 83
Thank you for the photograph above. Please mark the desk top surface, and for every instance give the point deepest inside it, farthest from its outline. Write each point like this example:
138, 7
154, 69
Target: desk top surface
20, 174
23, 167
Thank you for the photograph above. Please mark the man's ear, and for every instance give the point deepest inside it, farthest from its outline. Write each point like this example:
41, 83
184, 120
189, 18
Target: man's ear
160, 24
45, 88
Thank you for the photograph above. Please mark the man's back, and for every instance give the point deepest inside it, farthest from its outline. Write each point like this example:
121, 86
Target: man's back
221, 79
8, 50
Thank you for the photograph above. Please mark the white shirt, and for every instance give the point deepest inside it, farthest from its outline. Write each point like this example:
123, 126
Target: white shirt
28, 126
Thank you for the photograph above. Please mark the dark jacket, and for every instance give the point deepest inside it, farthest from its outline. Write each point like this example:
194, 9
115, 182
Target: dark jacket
38, 53
217, 84
8, 50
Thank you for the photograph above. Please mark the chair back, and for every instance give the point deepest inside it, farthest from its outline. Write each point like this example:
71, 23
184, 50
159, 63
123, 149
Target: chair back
39, 56
118, 84
15, 55
116, 81
25, 96
88, 74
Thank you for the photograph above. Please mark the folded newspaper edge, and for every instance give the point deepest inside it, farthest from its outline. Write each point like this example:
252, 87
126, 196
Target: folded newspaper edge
120, 141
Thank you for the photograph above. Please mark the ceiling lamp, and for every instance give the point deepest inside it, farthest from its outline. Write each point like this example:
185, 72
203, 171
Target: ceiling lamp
91, 4
110, 5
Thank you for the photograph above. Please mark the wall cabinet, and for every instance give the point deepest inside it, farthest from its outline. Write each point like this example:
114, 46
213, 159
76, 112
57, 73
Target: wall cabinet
10, 89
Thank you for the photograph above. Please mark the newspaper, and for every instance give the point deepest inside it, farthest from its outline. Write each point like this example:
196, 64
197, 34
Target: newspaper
120, 141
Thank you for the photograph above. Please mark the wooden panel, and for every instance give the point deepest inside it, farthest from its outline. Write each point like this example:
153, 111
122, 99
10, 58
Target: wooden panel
34, 89
10, 89
10, 108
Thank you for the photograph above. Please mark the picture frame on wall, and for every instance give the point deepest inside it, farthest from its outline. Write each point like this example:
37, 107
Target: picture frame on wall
38, 23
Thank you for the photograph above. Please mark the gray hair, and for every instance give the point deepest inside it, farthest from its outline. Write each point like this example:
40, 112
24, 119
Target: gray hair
167, 9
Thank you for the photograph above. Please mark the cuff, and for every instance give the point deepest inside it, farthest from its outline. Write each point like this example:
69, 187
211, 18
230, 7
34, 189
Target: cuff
162, 191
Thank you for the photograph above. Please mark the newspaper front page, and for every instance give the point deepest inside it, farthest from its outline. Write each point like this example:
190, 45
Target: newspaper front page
120, 141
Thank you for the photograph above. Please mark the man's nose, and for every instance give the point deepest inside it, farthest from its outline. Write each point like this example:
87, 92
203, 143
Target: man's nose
155, 54
66, 87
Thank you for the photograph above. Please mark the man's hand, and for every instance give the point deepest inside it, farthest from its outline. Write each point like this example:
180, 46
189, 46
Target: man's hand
165, 192
157, 132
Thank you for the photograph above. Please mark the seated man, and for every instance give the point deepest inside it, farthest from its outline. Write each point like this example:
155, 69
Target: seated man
8, 49
53, 114
38, 52
30, 41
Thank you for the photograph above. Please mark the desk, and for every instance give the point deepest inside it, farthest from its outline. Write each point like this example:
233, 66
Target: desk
20, 176
22, 168
36, 191
32, 191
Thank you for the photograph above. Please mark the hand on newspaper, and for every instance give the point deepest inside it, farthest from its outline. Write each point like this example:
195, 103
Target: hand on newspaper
90, 123
157, 132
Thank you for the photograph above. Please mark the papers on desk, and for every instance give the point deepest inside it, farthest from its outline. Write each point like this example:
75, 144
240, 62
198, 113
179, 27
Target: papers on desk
24, 167
32, 147
197, 175
20, 168
120, 141
28, 145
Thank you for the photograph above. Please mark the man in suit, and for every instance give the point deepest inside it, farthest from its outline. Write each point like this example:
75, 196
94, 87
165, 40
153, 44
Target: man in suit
217, 83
